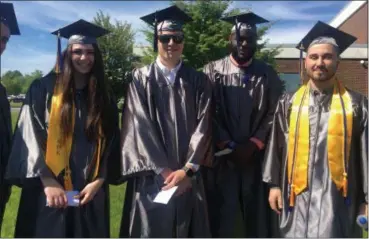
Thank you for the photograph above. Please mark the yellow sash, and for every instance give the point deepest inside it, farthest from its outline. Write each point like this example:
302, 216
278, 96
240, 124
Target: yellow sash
338, 141
58, 151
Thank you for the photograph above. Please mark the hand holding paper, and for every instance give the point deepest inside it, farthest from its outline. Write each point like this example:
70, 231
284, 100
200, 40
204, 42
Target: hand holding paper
164, 196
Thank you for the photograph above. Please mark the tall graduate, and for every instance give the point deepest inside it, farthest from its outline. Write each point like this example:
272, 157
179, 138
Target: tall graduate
317, 159
65, 137
165, 137
245, 92
8, 27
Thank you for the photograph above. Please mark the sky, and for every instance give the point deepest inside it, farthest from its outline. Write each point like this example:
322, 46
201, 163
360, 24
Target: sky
35, 48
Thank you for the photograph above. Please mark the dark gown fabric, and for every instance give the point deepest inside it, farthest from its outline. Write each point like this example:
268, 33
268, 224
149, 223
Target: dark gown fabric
27, 164
165, 125
5, 142
320, 210
244, 103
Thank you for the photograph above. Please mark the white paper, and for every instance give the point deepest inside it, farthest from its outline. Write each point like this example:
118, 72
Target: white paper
164, 196
223, 152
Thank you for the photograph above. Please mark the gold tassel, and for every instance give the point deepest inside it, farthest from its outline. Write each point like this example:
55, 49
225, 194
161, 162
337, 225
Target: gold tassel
68, 180
292, 197
344, 186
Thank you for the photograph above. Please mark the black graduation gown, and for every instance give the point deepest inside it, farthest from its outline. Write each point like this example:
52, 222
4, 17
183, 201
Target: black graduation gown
245, 100
27, 164
165, 125
319, 211
5, 141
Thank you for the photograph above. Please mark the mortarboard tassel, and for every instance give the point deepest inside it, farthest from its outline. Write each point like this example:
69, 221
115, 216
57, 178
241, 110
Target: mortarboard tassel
237, 34
59, 61
344, 189
301, 65
155, 46
291, 198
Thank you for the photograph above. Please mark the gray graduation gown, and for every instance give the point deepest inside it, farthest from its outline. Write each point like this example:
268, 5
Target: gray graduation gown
245, 100
27, 164
320, 211
164, 125
5, 141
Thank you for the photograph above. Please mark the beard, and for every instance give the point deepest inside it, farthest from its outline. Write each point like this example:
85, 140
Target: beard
325, 75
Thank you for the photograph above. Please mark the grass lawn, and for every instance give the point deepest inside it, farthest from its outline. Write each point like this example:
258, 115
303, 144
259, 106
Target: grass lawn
16, 105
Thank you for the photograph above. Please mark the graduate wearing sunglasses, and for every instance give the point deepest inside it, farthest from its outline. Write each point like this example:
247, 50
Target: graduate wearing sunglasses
165, 137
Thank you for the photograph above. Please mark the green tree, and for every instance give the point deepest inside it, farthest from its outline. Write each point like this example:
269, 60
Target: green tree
13, 81
206, 37
29, 78
117, 50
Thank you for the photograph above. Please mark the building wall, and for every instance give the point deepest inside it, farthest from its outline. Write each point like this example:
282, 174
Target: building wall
350, 72
357, 25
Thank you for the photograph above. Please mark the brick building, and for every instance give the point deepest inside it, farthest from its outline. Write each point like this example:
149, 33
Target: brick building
353, 68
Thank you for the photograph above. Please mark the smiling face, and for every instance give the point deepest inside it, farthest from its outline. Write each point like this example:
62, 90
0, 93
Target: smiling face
321, 62
83, 57
170, 45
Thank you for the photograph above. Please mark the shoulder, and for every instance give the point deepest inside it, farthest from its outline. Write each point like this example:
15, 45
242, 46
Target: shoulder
217, 65
139, 76
356, 97
194, 77
359, 104
43, 85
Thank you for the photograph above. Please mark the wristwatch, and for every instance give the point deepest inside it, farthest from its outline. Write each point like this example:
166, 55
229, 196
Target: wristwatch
231, 145
189, 171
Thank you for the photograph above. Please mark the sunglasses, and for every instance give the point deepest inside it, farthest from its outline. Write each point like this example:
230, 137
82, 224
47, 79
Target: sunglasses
165, 39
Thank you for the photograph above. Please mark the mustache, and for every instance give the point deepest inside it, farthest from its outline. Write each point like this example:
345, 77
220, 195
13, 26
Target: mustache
322, 68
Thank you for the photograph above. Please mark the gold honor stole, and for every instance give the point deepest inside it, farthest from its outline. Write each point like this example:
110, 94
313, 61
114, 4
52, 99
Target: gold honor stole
57, 150
338, 142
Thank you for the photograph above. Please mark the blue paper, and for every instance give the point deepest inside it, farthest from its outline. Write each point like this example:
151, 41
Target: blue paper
72, 201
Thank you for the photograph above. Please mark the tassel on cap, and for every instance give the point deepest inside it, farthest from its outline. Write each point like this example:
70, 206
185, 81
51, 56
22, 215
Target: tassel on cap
301, 64
237, 33
155, 46
59, 60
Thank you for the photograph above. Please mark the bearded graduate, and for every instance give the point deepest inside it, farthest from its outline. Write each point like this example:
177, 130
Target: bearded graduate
316, 162
245, 93
165, 138
65, 136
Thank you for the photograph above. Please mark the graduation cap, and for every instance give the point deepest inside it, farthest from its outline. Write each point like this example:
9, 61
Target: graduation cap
340, 39
79, 32
245, 21
168, 19
7, 16
321, 29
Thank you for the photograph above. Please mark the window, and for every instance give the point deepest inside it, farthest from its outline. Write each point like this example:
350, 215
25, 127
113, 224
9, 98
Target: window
291, 81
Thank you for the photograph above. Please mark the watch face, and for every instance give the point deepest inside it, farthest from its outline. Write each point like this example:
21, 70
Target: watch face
189, 172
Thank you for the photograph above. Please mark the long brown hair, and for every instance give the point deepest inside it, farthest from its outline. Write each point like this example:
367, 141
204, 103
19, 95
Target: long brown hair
99, 103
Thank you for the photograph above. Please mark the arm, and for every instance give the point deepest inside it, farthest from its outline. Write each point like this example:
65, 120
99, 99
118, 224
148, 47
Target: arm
269, 96
272, 166
26, 158
220, 134
364, 148
141, 148
201, 139
5, 142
